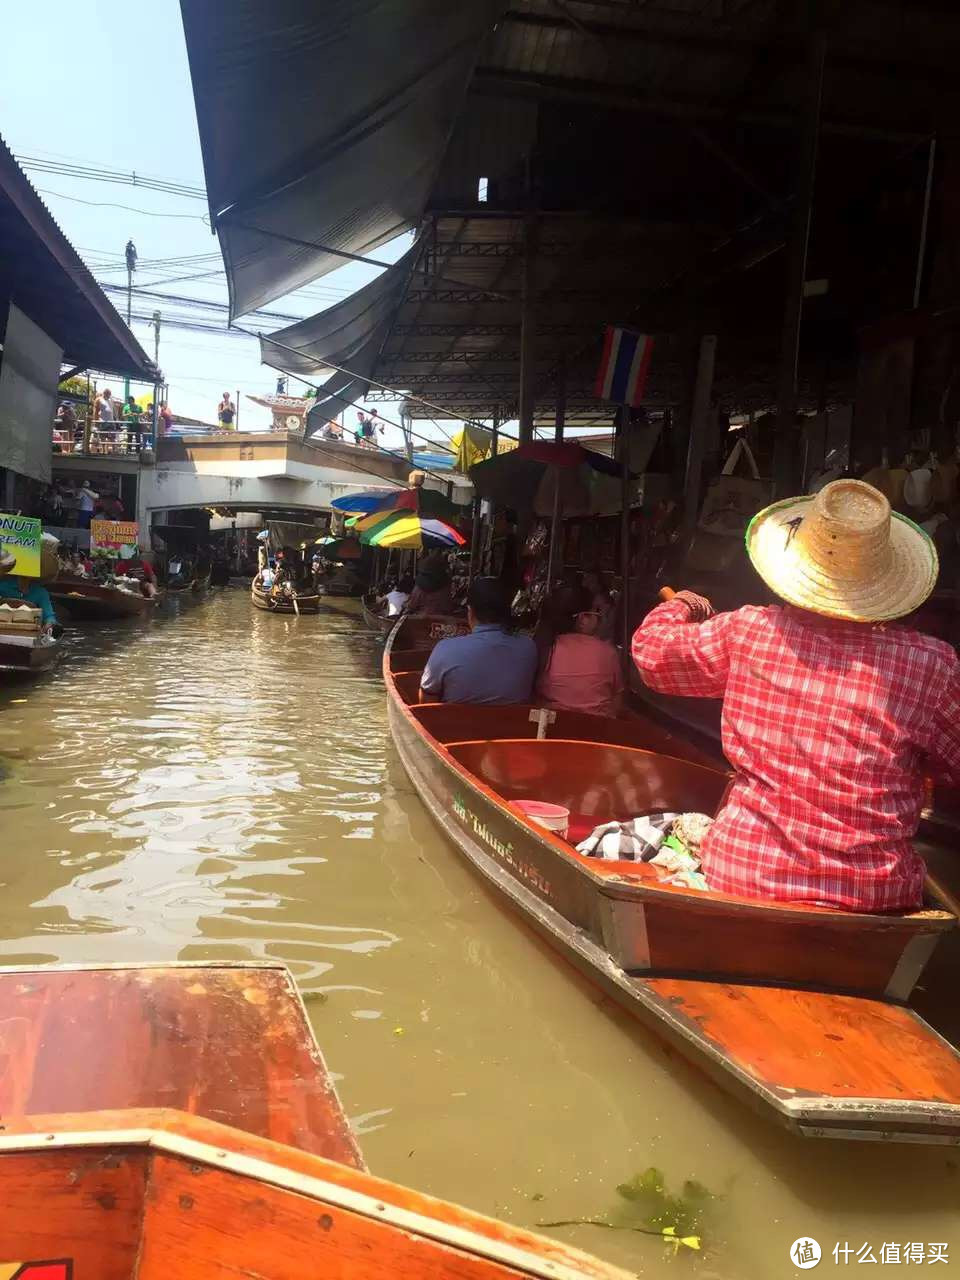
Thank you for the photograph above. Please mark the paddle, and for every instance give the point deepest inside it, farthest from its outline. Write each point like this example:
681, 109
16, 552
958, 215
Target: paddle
935, 889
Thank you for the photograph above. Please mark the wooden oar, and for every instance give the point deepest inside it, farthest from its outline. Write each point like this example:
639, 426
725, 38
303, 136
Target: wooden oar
934, 888
296, 607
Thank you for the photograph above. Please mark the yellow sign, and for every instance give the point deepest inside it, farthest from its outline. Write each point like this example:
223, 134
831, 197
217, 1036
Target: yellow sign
20, 536
115, 537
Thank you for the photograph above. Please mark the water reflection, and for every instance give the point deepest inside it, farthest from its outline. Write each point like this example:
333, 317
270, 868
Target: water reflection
215, 783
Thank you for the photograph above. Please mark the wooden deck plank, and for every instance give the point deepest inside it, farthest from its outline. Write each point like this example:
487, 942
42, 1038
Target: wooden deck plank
818, 1045
231, 1044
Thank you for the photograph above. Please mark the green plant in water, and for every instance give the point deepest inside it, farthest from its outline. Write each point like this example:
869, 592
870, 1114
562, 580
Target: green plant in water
647, 1207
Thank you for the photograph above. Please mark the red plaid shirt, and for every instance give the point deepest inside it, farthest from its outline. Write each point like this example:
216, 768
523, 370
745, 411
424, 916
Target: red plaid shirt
830, 726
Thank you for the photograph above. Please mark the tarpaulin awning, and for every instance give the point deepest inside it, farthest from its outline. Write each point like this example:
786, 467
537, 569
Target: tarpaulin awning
349, 334
322, 126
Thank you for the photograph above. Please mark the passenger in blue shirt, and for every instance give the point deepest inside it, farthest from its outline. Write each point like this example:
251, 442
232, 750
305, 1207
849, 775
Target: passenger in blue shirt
491, 664
32, 592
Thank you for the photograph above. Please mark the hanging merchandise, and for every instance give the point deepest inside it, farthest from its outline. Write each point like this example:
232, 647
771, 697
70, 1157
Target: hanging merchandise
731, 503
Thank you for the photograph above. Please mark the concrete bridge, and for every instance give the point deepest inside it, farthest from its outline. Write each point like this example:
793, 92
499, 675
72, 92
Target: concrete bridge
245, 472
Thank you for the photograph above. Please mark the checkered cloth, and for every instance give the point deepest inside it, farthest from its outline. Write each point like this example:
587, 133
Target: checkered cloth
830, 726
634, 841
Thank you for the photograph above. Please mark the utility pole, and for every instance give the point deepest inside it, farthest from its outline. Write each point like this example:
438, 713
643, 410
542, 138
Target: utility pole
156, 380
131, 255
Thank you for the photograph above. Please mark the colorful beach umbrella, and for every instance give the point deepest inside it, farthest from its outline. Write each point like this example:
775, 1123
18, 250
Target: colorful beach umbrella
406, 531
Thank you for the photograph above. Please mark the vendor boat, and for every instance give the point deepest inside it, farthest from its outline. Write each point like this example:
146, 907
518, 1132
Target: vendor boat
90, 601
306, 601
179, 1120
24, 648
374, 616
799, 1010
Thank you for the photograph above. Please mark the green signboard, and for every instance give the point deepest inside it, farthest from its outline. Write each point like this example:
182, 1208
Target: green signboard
20, 536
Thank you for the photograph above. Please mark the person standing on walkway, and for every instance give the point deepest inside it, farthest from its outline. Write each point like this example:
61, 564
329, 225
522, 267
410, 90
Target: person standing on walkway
832, 717
226, 412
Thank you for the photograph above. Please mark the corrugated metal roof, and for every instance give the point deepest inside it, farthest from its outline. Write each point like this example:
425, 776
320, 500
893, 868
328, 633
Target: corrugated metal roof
44, 275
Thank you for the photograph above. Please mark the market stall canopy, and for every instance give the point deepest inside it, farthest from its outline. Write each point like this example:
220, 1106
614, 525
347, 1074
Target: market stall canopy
405, 530
526, 479
43, 273
426, 502
322, 128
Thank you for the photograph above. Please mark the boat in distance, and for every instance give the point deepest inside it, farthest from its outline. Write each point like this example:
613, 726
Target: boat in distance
307, 602
798, 1009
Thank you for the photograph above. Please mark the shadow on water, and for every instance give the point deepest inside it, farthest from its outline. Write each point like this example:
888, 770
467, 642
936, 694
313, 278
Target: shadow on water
215, 783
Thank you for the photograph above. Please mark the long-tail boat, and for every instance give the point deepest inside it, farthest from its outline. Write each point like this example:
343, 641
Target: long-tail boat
801, 1010
178, 1120
297, 602
91, 601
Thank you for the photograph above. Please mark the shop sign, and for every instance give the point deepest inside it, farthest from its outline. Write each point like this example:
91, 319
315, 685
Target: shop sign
115, 537
21, 536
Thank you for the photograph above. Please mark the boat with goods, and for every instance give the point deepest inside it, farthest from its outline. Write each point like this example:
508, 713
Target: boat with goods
89, 601
179, 1120
800, 1010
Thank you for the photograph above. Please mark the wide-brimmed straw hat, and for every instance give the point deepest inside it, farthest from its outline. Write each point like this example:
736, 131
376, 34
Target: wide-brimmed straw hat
843, 553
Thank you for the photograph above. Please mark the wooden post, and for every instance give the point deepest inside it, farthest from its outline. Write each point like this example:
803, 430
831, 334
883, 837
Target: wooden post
561, 402
496, 431
924, 223
699, 430
785, 444
623, 448
528, 328
558, 438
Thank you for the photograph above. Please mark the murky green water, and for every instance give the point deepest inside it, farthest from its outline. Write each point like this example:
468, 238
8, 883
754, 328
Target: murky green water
219, 784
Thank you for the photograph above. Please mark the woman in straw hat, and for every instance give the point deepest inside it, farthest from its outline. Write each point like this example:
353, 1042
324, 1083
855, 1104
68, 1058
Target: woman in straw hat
831, 717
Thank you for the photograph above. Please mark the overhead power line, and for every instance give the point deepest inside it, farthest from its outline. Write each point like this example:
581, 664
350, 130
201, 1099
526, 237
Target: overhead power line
130, 178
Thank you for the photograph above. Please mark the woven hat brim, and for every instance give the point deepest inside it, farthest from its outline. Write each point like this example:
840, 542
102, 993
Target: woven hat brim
787, 570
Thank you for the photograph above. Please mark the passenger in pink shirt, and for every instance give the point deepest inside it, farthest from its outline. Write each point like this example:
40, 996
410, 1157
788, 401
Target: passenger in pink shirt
580, 672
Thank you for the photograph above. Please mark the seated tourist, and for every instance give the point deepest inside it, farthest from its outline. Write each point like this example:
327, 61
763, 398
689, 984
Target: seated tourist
396, 598
579, 671
831, 717
489, 665
28, 590
431, 592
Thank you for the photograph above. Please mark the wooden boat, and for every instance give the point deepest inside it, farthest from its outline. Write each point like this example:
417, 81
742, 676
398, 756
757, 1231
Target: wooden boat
374, 617
198, 1134
18, 658
91, 601
307, 602
800, 1010
24, 650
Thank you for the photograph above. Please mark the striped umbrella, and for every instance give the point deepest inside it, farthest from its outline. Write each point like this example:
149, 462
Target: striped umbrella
405, 530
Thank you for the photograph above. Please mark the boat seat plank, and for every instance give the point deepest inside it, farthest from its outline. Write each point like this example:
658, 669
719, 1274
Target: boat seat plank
231, 1044
810, 1044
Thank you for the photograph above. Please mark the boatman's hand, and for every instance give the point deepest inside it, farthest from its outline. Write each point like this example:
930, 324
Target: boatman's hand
699, 607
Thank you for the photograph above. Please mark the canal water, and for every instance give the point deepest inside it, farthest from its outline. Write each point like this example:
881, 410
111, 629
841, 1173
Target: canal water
219, 784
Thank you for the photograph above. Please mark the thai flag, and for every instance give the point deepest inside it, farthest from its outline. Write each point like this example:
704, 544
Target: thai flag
622, 375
